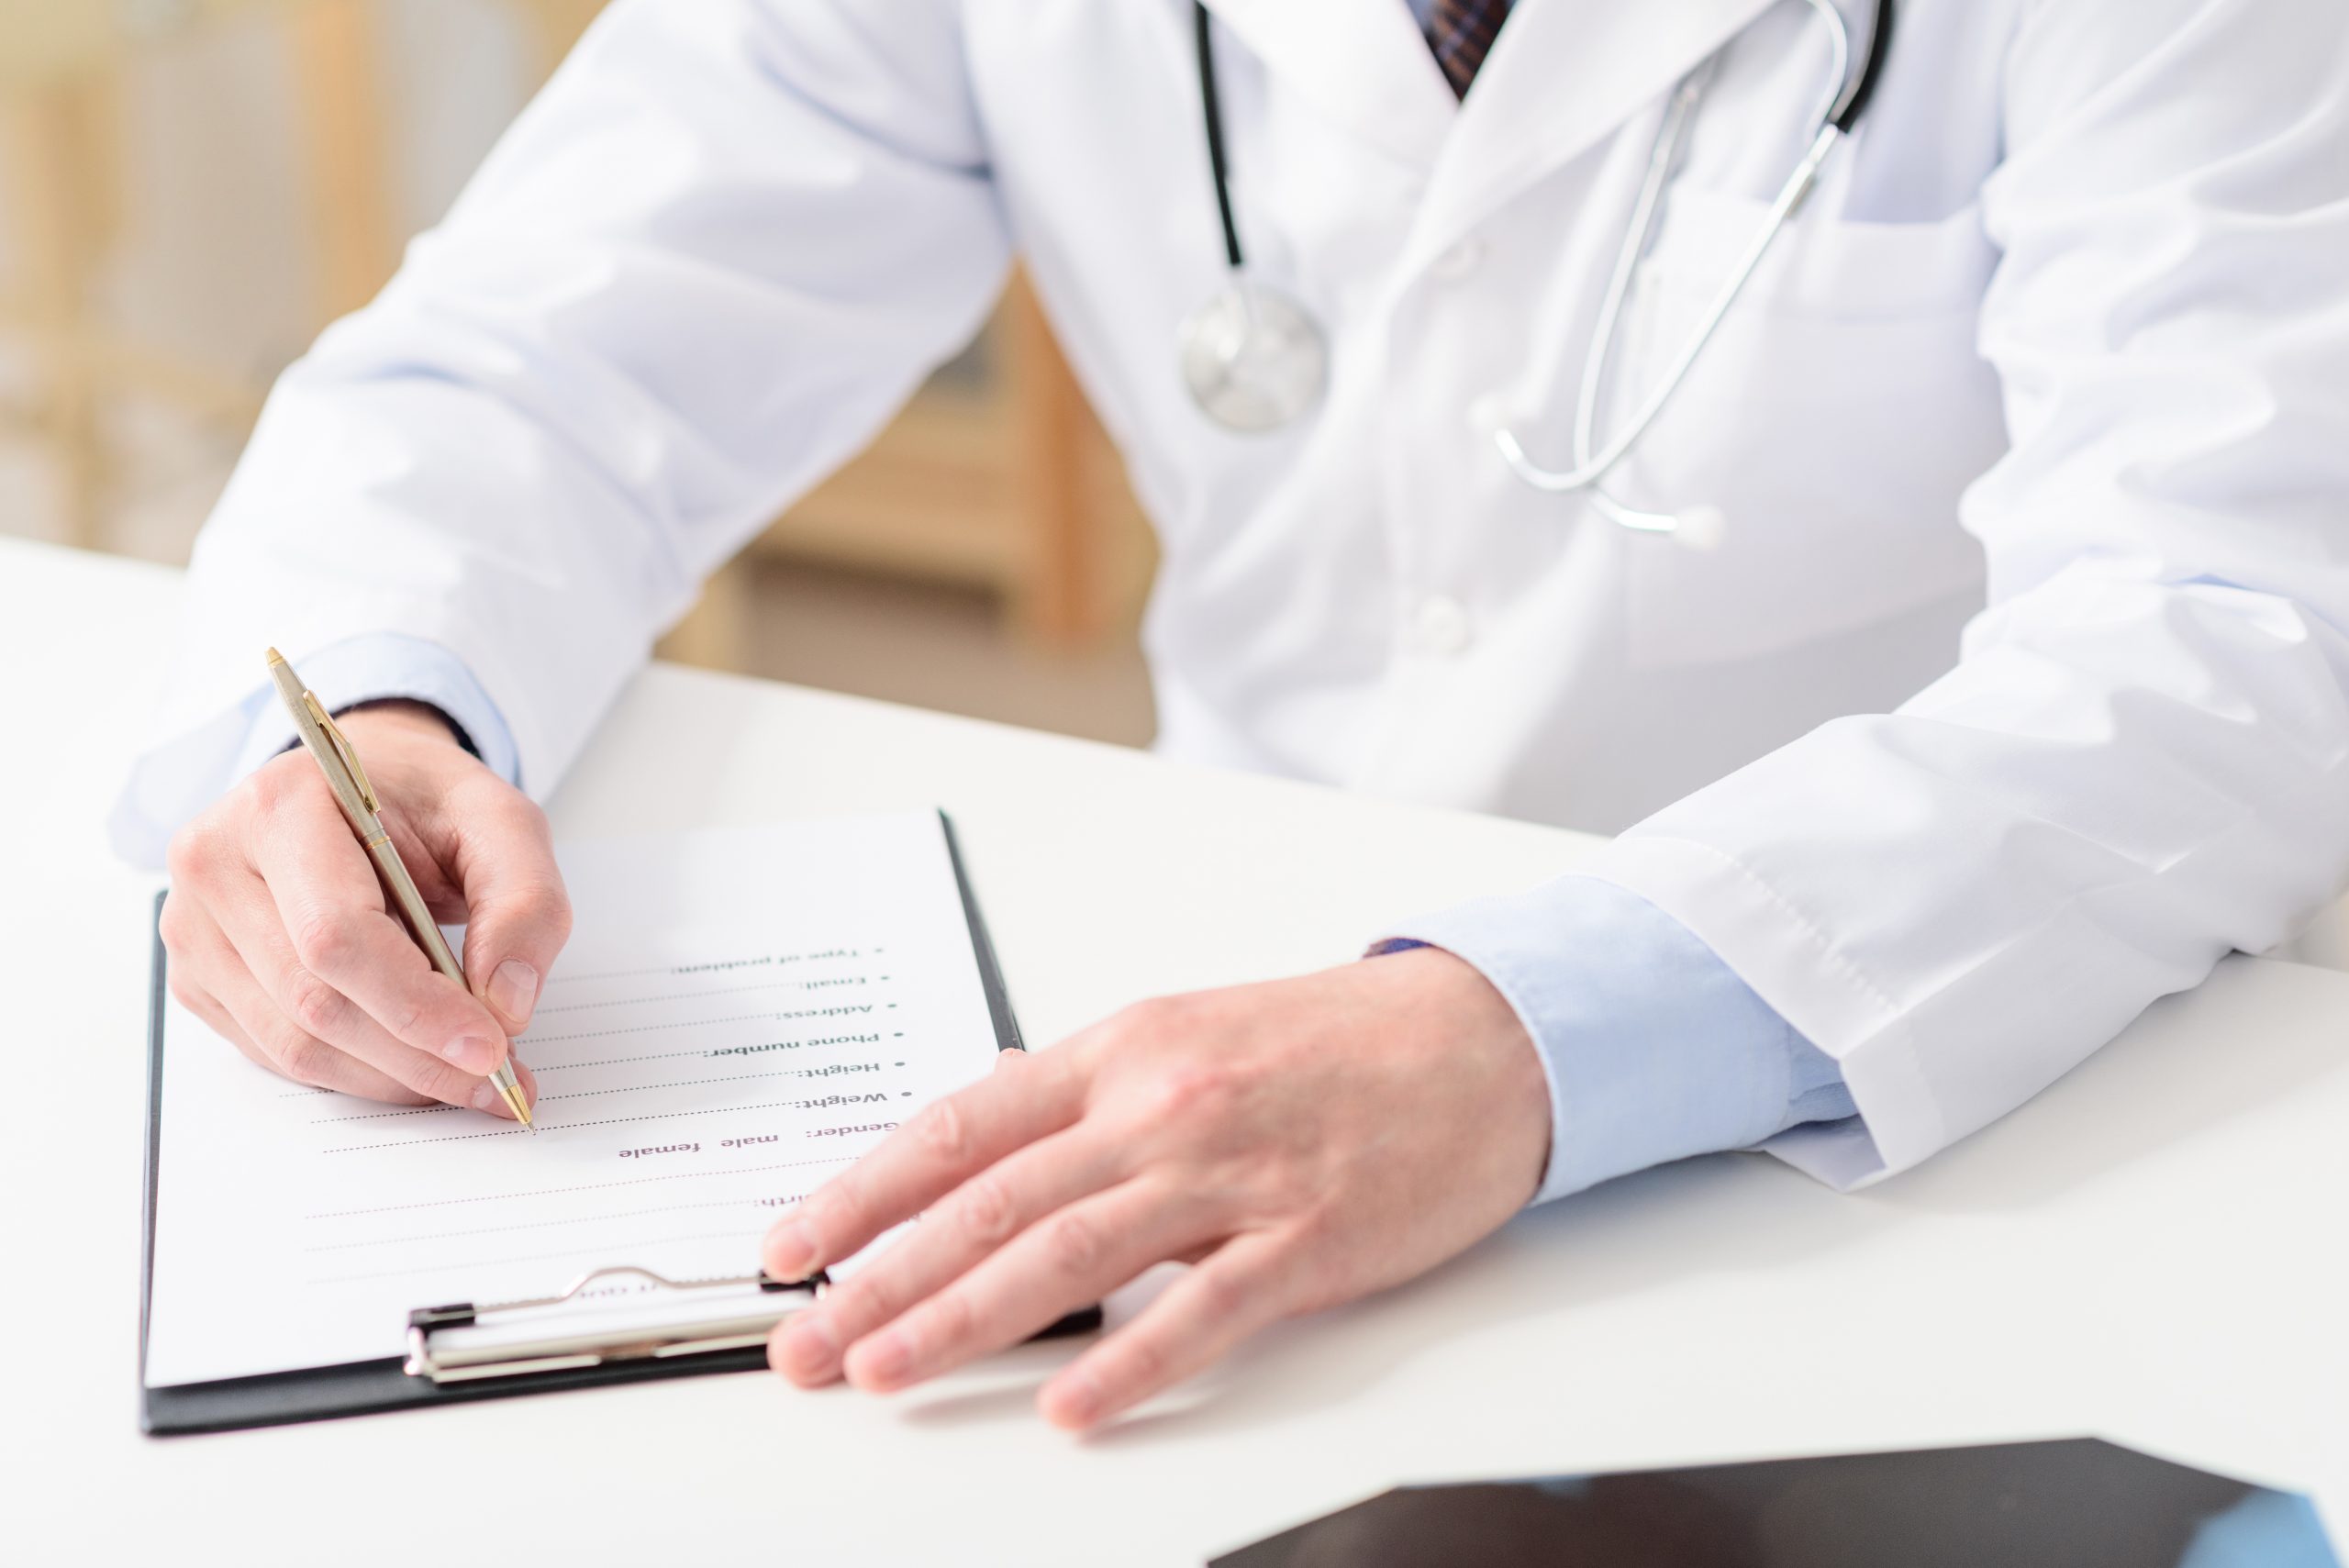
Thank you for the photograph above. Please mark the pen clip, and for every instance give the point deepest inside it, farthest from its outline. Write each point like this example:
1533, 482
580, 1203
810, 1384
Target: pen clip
343, 749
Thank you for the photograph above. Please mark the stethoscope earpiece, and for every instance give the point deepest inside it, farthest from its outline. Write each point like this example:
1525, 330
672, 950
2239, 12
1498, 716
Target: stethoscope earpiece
1701, 528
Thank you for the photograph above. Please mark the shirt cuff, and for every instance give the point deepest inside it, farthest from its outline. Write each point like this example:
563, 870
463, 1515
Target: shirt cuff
381, 667
172, 781
1653, 1048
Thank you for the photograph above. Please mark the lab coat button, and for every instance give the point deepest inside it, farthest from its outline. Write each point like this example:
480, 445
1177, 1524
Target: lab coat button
1458, 261
1441, 627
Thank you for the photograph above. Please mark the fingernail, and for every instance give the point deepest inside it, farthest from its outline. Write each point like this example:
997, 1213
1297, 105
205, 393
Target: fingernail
883, 1358
1075, 1399
472, 1054
487, 1098
791, 1252
810, 1348
514, 990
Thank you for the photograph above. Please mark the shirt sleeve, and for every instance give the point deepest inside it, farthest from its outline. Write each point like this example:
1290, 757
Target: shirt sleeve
173, 782
1653, 1048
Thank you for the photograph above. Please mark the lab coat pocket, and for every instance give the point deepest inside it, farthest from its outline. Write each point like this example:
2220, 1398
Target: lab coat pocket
1834, 419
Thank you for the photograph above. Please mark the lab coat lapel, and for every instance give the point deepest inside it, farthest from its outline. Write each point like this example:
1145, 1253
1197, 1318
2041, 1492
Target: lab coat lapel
1361, 62
1564, 75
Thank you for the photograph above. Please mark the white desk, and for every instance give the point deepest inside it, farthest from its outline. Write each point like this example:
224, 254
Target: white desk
2152, 1252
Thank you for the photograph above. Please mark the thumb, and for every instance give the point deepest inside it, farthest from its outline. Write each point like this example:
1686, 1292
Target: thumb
517, 914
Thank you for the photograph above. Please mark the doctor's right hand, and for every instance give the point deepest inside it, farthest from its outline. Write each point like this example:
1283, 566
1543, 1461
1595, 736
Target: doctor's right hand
281, 939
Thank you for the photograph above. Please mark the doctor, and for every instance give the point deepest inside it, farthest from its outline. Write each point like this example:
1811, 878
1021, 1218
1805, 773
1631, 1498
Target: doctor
2009, 697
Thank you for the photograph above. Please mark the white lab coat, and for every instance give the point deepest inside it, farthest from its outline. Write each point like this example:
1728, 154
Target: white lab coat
2076, 301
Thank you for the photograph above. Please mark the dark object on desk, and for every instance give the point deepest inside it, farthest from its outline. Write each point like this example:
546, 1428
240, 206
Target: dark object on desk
2044, 1504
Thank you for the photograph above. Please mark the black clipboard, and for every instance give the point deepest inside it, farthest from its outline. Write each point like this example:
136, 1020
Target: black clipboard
363, 1388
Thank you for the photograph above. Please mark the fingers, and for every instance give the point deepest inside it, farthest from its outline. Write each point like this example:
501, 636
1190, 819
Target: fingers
1069, 1260
517, 916
297, 1021
296, 953
242, 1013
347, 962
979, 1219
207, 1006
1238, 1290
928, 1157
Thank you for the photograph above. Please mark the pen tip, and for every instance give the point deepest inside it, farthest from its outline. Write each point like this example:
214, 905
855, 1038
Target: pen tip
276, 657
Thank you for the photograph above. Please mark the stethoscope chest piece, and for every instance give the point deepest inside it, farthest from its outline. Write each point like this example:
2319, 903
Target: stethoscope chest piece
1253, 357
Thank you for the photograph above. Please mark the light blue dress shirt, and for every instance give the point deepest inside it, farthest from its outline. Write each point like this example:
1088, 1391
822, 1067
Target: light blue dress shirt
1653, 1049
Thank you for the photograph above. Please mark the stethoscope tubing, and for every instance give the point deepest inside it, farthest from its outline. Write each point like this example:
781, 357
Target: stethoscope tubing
1211, 108
1844, 100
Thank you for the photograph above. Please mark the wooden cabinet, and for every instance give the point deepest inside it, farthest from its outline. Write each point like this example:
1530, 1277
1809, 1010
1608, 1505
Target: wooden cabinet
996, 477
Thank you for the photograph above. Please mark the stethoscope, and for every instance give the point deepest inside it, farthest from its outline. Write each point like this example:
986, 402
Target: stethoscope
1255, 360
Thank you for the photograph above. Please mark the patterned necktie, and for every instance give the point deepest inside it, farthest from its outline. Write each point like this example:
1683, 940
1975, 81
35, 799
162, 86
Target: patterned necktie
1462, 33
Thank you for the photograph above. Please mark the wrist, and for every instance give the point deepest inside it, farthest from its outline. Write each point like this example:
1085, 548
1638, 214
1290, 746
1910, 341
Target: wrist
1481, 1034
401, 716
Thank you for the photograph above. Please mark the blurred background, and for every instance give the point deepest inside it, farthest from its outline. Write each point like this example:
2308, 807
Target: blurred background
191, 189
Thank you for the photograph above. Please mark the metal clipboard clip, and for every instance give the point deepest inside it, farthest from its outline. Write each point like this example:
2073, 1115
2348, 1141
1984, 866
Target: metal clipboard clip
559, 1349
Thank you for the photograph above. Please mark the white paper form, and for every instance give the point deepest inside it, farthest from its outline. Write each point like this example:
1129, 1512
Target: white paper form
739, 1015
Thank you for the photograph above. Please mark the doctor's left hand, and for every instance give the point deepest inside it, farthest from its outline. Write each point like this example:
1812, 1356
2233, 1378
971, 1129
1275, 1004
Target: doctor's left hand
1300, 1144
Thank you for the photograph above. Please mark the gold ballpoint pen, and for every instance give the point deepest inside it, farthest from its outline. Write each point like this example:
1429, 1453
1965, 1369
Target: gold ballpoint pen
357, 798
